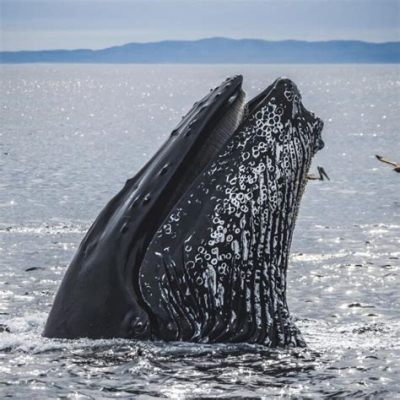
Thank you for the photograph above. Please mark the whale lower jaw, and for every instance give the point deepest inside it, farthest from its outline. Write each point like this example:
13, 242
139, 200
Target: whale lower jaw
215, 271
251, 310
240, 320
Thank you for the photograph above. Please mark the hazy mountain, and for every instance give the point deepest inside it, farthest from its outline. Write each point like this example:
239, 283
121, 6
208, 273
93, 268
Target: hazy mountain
221, 51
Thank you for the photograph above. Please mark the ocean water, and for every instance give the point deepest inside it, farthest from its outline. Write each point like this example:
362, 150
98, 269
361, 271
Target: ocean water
70, 135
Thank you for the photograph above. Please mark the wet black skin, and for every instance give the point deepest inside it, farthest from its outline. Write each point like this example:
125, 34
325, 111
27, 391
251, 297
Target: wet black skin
101, 295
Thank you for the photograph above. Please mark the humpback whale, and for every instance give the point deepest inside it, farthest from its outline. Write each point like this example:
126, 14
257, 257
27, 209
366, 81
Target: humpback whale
195, 246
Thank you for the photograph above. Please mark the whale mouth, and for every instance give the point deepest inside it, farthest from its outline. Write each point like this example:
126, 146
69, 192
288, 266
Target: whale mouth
233, 113
109, 256
107, 270
215, 136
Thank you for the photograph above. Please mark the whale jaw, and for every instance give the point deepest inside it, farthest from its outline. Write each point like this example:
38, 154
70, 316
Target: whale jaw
195, 246
99, 296
216, 269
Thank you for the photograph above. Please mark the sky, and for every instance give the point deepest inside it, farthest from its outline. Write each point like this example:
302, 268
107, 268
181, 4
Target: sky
70, 24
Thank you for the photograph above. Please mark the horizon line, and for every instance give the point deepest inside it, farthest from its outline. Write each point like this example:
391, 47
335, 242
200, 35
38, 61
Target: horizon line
202, 39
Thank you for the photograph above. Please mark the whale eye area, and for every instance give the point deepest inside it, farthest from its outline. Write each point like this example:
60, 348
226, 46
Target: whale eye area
147, 198
164, 169
125, 227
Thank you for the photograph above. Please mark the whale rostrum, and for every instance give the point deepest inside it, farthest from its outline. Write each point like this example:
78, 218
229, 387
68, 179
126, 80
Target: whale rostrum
195, 246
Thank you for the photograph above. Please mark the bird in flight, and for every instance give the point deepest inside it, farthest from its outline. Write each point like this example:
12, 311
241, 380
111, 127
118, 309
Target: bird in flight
320, 177
394, 164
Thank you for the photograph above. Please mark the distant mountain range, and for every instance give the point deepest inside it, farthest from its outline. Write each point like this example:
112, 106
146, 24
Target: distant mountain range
220, 51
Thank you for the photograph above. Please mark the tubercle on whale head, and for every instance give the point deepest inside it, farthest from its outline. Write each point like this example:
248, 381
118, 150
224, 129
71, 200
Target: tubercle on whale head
283, 126
285, 91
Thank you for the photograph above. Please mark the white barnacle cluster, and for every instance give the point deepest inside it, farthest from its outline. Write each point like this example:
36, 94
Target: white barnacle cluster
246, 204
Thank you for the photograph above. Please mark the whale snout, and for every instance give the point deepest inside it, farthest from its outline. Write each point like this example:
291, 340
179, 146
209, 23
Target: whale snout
286, 89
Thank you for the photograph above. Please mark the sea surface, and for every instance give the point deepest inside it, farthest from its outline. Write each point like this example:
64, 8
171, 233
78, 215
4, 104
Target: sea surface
70, 136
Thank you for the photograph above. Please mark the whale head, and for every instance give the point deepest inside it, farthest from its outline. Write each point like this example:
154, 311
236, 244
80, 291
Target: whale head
195, 246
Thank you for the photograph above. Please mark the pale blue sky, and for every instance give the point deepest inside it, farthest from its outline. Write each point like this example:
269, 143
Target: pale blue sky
50, 24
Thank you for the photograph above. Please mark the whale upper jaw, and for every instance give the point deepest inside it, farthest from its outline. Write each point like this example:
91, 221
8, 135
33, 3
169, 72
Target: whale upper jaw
102, 294
99, 295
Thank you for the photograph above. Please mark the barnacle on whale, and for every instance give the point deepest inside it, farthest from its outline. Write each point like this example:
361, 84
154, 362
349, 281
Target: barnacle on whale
195, 246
